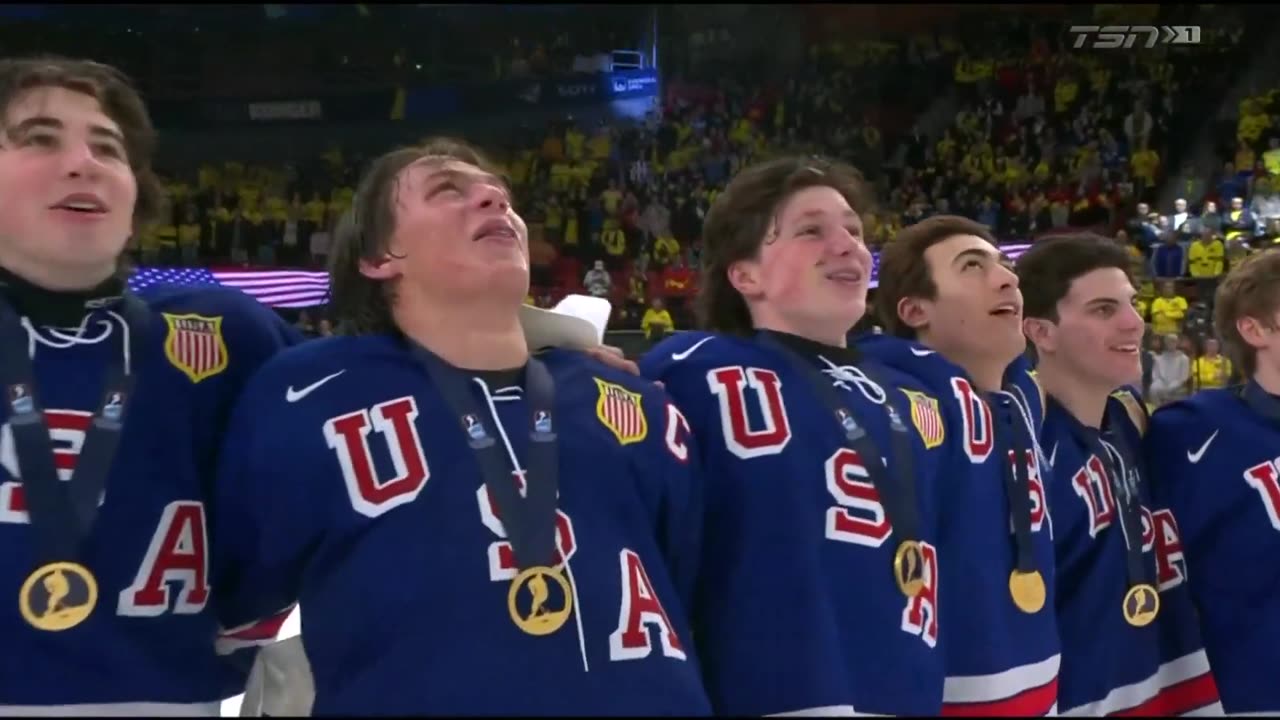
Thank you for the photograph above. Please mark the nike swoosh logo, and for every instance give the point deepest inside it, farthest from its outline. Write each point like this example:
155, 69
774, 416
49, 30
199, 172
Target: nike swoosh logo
1053, 456
921, 353
1194, 457
294, 396
682, 355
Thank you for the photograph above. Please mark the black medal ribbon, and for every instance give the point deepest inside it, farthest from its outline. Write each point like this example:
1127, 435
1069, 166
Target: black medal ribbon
1261, 401
530, 521
1127, 499
1017, 476
897, 497
62, 514
1127, 494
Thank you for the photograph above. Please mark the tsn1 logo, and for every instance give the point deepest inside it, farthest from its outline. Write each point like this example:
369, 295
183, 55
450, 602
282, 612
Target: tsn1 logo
1110, 37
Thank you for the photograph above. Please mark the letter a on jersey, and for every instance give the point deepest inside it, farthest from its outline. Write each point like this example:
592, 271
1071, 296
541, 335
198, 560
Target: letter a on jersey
621, 411
195, 346
927, 418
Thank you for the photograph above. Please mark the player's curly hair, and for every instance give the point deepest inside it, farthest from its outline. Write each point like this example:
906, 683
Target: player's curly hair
361, 305
1251, 289
740, 222
120, 101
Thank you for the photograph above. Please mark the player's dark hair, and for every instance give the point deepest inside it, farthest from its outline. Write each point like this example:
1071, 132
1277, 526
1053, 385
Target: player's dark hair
119, 100
1251, 289
904, 272
744, 213
361, 305
1047, 269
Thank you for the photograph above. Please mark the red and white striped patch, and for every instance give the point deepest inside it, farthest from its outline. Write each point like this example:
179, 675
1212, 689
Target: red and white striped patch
622, 412
1026, 691
195, 345
927, 418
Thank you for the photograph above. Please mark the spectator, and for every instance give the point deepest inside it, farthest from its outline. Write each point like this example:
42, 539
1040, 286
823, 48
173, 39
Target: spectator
1212, 369
1150, 347
305, 324
1170, 372
1266, 201
1168, 260
1182, 222
657, 321
597, 280
1168, 310
1239, 223
1210, 219
325, 327
1138, 125
1206, 260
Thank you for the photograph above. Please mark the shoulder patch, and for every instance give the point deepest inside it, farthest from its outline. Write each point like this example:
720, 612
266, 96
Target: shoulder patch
927, 418
622, 411
195, 345
1137, 412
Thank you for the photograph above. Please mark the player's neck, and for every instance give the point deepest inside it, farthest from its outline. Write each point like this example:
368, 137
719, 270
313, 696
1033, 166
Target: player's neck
1268, 377
1086, 403
833, 335
470, 336
58, 278
55, 306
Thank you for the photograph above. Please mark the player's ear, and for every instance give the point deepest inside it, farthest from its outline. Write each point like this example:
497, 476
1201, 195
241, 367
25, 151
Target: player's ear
744, 276
383, 268
1252, 331
913, 313
1040, 332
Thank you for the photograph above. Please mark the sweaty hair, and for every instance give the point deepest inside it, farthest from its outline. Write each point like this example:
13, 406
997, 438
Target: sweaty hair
1047, 269
1251, 289
119, 100
361, 305
904, 272
742, 215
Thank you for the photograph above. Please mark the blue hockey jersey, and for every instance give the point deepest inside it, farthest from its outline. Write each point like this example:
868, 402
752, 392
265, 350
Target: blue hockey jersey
1000, 660
148, 645
350, 486
1108, 665
797, 607
1213, 462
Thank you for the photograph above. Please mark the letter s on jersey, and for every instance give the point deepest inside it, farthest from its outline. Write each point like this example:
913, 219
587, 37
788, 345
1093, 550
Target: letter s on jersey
858, 518
348, 436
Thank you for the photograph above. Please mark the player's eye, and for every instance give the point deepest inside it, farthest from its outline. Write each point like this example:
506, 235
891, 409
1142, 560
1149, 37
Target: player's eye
446, 186
39, 139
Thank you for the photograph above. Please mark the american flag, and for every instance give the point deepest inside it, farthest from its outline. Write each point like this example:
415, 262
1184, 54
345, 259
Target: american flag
304, 288
275, 288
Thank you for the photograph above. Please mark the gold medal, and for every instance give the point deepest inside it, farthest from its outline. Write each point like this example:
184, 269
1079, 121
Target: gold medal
1141, 605
58, 596
908, 568
1027, 590
541, 618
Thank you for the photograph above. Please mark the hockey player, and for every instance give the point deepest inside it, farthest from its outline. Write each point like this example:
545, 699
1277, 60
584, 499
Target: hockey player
817, 593
469, 528
112, 408
1130, 640
1214, 461
952, 314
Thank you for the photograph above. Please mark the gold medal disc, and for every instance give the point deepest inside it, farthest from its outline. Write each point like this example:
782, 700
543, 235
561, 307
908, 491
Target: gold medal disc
58, 596
1141, 605
1027, 590
908, 568
541, 617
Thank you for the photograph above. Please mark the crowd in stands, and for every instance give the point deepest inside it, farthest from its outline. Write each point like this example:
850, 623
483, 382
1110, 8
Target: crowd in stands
1043, 138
